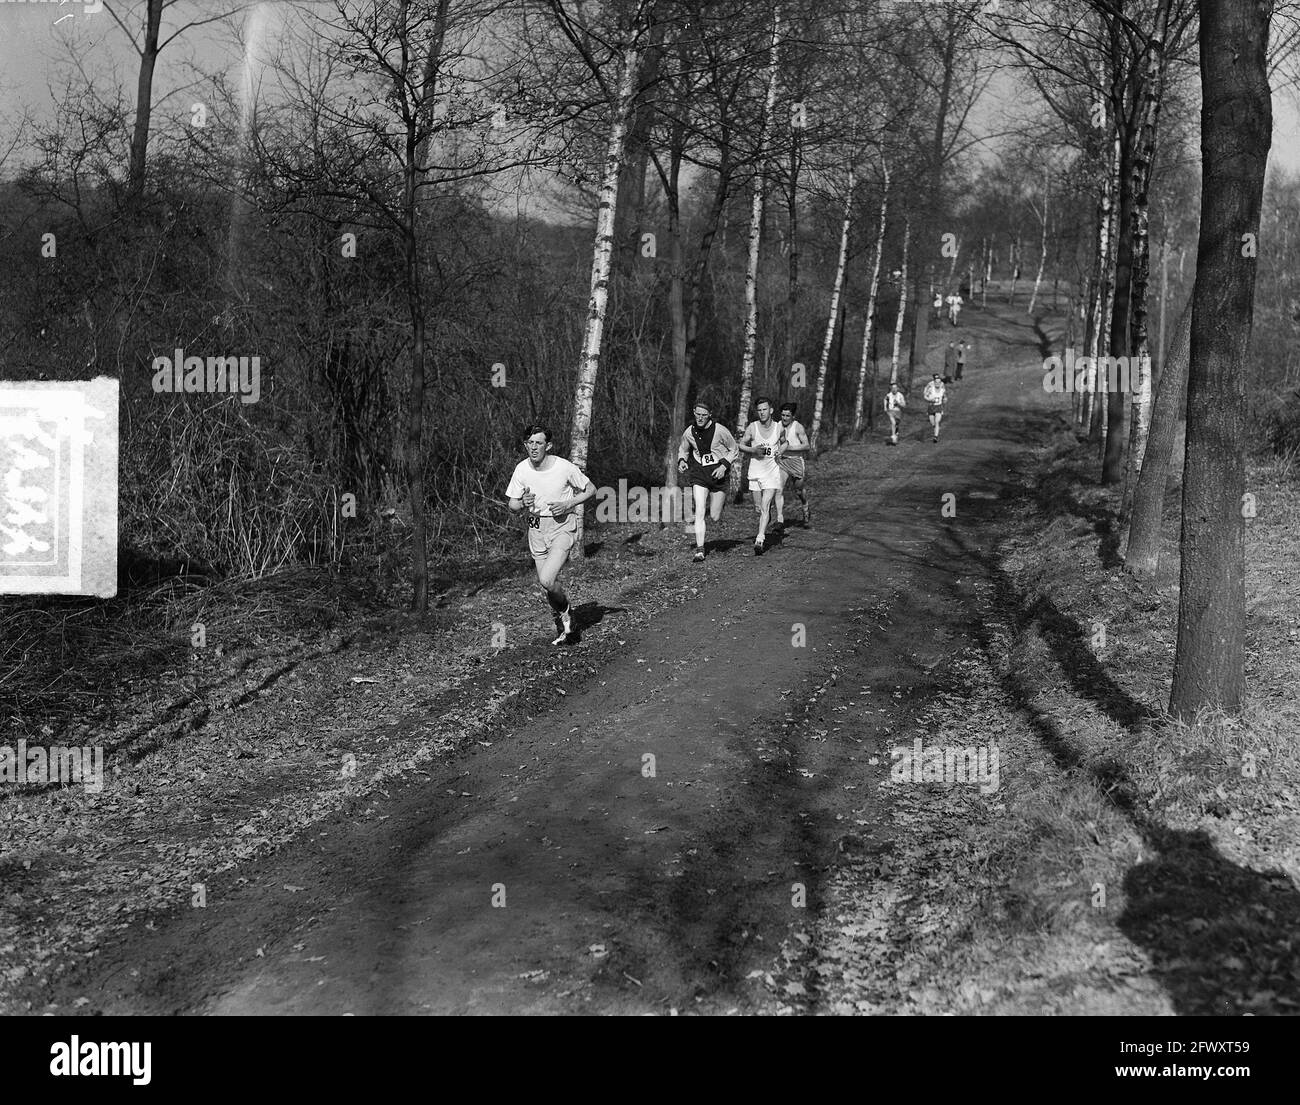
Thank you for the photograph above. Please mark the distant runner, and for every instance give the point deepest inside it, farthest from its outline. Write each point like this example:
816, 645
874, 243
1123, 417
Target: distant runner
540, 485
935, 394
961, 359
954, 308
895, 401
706, 455
938, 306
792, 466
764, 441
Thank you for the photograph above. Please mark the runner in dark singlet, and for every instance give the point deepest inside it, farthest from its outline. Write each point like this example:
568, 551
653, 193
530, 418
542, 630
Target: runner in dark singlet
705, 456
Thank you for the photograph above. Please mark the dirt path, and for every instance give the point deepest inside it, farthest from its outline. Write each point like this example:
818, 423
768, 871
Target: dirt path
553, 871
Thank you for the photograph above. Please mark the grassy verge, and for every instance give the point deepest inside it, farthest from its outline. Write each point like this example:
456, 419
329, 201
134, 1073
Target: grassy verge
1125, 863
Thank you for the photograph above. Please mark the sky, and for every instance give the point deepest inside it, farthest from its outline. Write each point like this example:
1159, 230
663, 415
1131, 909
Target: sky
37, 37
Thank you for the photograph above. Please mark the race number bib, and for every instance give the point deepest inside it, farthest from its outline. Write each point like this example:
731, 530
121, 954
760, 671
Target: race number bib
534, 521
708, 460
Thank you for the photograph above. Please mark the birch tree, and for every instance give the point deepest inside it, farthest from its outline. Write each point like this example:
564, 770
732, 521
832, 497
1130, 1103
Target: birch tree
1144, 157
1142, 540
602, 253
902, 303
834, 313
755, 241
1042, 253
871, 303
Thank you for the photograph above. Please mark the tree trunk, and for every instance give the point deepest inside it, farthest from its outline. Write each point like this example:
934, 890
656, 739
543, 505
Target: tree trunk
902, 304
418, 126
934, 208
415, 411
755, 237
1112, 463
871, 308
693, 294
1097, 428
1097, 306
1142, 551
1042, 254
695, 289
676, 307
636, 160
834, 314
1013, 256
589, 364
1161, 348
988, 273
792, 284
144, 101
839, 367
1142, 161
1236, 132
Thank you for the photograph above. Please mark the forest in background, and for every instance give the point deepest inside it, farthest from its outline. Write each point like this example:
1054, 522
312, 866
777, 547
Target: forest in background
390, 203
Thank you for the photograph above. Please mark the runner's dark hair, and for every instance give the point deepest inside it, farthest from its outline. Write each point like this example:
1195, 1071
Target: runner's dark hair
791, 407
537, 428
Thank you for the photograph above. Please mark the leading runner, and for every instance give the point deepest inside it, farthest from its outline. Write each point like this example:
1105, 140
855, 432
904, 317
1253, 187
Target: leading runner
539, 485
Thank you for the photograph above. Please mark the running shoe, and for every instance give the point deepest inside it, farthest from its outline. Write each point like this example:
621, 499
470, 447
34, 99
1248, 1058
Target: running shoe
778, 526
758, 548
699, 556
563, 626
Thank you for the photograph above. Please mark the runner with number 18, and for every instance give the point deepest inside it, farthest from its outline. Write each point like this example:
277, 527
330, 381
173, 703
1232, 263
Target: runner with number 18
541, 485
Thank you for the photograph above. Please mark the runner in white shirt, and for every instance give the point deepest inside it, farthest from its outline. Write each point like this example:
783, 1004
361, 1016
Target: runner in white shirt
764, 441
542, 485
895, 401
935, 395
792, 466
954, 308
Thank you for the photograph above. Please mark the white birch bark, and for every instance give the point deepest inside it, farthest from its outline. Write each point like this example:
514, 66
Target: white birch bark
828, 340
871, 307
1099, 306
902, 304
755, 238
589, 363
1042, 256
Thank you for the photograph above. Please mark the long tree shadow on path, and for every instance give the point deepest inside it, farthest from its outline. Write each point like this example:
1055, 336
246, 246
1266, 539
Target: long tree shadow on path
1222, 938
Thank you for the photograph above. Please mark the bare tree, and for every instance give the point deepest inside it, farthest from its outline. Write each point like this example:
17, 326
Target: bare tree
149, 44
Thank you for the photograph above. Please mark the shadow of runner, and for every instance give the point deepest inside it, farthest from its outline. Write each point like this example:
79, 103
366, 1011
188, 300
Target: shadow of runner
589, 614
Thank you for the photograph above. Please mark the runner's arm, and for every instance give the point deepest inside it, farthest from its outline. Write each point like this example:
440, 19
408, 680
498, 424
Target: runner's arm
796, 442
564, 506
684, 449
744, 446
725, 447
515, 492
